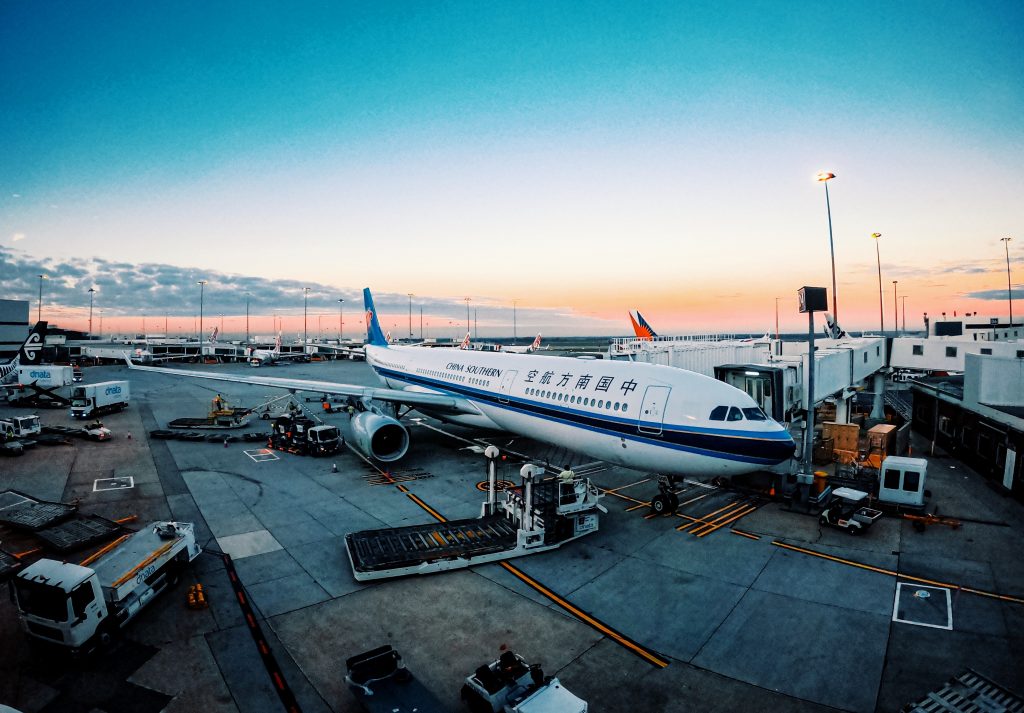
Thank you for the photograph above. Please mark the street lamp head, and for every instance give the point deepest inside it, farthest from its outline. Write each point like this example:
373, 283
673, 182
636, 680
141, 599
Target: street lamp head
876, 236
824, 176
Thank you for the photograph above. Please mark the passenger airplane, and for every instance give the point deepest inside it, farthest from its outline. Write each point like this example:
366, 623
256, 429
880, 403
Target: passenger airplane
647, 417
263, 357
28, 355
535, 346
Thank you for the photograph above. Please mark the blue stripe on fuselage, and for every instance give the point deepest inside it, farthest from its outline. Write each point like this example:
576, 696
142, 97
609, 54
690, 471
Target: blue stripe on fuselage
717, 443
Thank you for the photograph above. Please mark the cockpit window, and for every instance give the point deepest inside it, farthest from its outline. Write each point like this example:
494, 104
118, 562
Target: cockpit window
718, 414
754, 414
735, 414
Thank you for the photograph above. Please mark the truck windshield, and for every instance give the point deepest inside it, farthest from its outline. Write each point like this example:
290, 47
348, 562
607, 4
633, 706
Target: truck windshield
325, 435
42, 600
80, 403
29, 422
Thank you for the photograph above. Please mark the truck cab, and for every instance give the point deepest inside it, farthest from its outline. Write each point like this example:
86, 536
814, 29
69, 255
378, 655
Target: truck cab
59, 602
510, 685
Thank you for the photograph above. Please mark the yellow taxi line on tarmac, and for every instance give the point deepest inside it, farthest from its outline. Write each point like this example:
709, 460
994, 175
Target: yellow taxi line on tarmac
621, 639
900, 575
742, 533
702, 520
733, 517
623, 487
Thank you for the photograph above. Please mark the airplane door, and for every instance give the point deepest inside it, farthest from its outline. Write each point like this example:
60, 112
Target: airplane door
652, 411
506, 383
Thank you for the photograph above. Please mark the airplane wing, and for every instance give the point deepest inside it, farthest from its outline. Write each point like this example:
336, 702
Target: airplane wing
435, 402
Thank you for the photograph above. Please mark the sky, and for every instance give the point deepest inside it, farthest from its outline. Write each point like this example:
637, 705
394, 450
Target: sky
578, 160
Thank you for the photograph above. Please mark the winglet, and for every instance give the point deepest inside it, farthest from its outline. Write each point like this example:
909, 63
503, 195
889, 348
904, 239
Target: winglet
373, 331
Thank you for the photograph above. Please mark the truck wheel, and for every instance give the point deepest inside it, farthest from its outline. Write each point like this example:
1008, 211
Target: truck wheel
853, 529
265, 416
822, 521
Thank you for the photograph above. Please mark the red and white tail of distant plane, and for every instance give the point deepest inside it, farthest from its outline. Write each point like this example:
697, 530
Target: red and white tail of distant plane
535, 346
465, 342
265, 357
641, 416
213, 335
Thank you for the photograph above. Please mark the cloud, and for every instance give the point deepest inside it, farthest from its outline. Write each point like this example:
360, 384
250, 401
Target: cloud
997, 295
126, 289
17, 236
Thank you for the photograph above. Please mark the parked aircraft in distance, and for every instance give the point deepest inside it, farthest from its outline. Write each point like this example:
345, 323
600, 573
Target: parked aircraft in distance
642, 416
535, 346
29, 352
266, 357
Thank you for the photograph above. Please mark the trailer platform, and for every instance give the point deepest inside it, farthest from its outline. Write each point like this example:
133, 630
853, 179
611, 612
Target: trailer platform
23, 512
79, 533
401, 547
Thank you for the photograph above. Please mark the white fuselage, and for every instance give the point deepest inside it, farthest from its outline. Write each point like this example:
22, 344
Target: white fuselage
641, 416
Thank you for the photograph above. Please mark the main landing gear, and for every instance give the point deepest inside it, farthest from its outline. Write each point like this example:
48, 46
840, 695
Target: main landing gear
666, 501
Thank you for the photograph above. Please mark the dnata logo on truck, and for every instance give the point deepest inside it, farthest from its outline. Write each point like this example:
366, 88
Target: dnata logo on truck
39, 375
112, 390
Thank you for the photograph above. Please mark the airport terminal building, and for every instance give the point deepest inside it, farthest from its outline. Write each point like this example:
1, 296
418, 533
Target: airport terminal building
13, 327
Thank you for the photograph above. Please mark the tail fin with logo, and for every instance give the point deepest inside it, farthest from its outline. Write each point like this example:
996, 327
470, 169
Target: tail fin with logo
641, 328
213, 335
30, 352
465, 342
277, 345
536, 343
375, 335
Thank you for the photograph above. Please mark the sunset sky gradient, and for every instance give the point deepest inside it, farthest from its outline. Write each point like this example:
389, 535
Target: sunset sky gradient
582, 159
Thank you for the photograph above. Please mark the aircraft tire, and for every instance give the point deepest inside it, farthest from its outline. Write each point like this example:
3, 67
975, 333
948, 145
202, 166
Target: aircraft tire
659, 504
673, 502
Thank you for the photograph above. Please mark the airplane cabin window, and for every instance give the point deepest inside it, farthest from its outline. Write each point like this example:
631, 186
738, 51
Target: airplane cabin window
600, 404
718, 414
754, 414
735, 414
623, 408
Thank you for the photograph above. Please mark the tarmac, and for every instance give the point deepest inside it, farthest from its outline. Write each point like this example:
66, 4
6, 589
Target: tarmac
735, 603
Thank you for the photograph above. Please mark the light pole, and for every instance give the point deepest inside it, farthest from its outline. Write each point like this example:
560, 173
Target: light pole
247, 296
39, 311
878, 256
776, 319
895, 308
341, 319
101, 324
202, 288
467, 313
515, 335
92, 291
825, 177
903, 298
305, 328
410, 314
1010, 289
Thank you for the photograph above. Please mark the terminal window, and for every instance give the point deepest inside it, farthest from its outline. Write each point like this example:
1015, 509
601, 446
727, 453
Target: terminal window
951, 351
918, 350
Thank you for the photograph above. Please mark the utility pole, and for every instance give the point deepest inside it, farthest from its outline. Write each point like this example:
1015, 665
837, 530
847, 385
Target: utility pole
410, 315
92, 291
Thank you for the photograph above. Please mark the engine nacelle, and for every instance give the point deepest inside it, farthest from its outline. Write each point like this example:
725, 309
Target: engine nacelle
380, 437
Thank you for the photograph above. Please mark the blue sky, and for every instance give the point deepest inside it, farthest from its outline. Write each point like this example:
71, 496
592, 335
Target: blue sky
585, 159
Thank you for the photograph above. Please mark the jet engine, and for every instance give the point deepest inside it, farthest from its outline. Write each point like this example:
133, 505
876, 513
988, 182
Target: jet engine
380, 437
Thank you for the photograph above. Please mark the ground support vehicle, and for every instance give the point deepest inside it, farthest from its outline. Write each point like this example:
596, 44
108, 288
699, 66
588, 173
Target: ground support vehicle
94, 431
77, 606
298, 434
36, 396
382, 684
221, 416
12, 427
534, 517
510, 685
844, 511
89, 400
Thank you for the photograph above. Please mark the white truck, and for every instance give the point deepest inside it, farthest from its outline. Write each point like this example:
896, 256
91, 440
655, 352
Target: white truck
88, 400
46, 376
12, 427
77, 606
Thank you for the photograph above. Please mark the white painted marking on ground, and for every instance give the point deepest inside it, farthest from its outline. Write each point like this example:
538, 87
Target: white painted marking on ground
123, 482
923, 593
